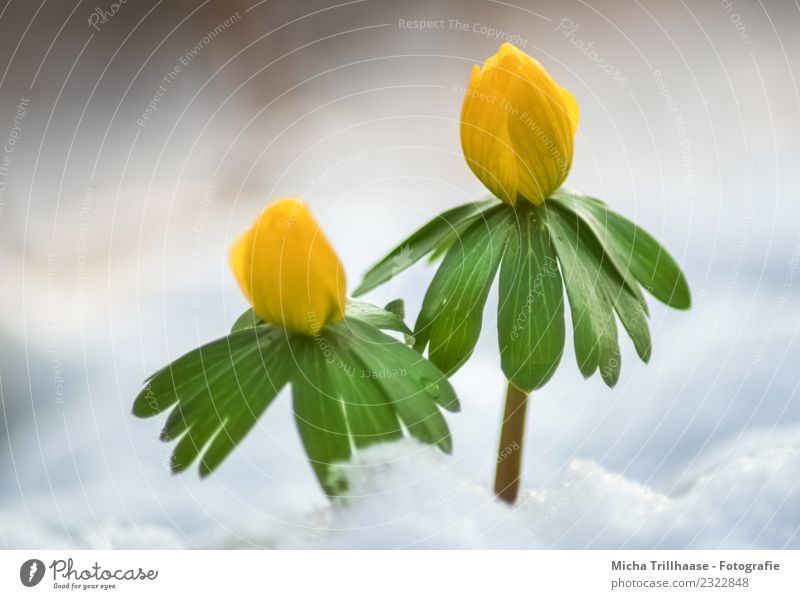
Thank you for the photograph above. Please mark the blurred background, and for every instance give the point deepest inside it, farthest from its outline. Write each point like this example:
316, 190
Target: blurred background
140, 139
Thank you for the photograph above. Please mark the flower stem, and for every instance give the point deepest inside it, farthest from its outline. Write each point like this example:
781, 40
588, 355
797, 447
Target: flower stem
512, 436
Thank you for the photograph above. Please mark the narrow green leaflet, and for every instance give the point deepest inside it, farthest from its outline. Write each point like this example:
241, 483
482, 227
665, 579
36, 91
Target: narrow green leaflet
631, 245
447, 242
397, 307
530, 320
371, 418
320, 416
578, 205
632, 314
630, 308
193, 372
380, 318
594, 325
343, 375
356, 386
412, 385
266, 377
452, 311
220, 389
420, 371
247, 320
420, 243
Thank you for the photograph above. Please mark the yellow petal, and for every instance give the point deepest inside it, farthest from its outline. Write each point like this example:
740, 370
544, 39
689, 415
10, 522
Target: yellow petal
573, 112
535, 118
288, 271
484, 134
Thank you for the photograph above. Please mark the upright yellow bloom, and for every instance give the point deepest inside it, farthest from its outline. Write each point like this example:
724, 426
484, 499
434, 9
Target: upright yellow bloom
288, 270
518, 127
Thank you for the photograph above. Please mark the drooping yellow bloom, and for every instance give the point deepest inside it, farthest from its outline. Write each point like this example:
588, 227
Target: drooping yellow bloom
288, 270
518, 127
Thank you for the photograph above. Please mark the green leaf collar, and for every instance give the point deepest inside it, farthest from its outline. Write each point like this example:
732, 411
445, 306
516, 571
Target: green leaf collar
572, 242
352, 386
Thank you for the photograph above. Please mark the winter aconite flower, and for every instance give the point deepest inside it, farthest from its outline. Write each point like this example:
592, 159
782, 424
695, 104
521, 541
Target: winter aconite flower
517, 131
518, 127
352, 384
288, 270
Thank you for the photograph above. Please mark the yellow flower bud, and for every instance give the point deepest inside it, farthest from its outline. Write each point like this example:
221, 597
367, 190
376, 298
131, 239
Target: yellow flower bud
288, 270
518, 127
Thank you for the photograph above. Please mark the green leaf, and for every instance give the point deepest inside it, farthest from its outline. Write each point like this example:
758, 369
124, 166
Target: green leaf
580, 206
388, 318
410, 383
247, 320
447, 241
632, 314
193, 443
256, 377
353, 386
452, 312
631, 245
343, 375
189, 375
594, 326
530, 320
371, 418
420, 243
397, 307
631, 309
266, 377
220, 389
356, 386
375, 347
380, 318
320, 415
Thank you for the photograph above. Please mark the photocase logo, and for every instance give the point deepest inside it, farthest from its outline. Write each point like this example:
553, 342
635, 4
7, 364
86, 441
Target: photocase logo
31, 572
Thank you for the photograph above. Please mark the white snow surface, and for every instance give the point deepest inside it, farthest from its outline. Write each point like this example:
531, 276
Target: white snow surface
406, 496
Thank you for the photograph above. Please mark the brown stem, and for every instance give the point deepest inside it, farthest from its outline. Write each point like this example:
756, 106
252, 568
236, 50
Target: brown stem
512, 436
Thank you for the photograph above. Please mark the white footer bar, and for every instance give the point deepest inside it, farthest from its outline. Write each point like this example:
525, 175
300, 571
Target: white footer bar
399, 574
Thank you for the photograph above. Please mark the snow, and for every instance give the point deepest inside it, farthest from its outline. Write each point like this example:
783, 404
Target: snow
406, 496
